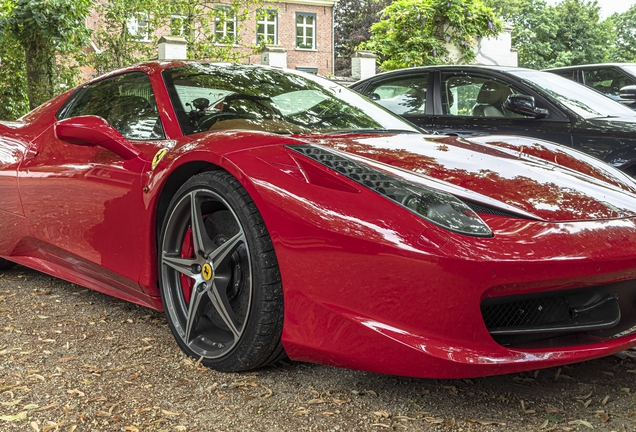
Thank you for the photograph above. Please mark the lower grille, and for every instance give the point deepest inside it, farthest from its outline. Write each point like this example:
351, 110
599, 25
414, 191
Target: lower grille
602, 312
531, 313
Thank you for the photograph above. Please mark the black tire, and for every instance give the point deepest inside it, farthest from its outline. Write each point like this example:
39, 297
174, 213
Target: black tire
233, 319
6, 265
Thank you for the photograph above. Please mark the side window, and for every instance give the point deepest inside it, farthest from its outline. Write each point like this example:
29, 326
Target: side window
607, 81
400, 95
474, 95
125, 101
569, 74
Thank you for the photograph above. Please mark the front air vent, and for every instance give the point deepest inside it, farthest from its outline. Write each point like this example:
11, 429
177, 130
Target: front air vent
482, 209
599, 312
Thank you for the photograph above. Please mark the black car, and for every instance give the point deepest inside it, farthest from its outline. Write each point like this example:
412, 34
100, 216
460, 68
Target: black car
469, 100
608, 78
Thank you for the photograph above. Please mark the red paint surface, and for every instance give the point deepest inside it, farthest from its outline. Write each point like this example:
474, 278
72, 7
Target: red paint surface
367, 284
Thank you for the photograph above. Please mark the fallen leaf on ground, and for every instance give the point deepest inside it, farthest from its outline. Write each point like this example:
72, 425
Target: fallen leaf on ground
18, 416
581, 422
486, 422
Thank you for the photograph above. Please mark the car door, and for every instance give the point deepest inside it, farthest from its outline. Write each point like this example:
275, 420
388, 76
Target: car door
405, 95
12, 152
84, 204
471, 102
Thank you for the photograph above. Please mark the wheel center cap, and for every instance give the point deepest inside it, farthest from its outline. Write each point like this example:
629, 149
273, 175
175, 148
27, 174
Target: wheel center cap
207, 272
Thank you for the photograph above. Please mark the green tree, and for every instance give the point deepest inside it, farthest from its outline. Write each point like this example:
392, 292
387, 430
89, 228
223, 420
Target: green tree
352, 26
198, 24
569, 33
119, 45
624, 24
420, 32
13, 87
51, 34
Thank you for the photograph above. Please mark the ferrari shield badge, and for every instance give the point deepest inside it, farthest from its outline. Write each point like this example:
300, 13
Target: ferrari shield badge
206, 271
160, 154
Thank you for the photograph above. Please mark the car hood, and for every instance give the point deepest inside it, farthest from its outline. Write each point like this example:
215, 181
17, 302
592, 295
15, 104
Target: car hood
529, 177
612, 125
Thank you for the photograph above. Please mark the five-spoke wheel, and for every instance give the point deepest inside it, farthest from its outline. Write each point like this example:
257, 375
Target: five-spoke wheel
219, 275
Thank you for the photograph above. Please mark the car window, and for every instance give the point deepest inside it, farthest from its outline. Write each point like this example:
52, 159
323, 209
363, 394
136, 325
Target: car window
126, 101
569, 73
475, 95
400, 95
608, 81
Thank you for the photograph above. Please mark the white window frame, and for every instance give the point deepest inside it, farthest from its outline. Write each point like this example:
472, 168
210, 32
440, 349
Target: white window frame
221, 18
137, 30
173, 18
265, 21
305, 26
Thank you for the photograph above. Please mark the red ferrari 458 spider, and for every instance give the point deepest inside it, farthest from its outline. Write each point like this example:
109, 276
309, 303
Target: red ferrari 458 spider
272, 213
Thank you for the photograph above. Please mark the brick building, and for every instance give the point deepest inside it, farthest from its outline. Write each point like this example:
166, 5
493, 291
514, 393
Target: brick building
300, 31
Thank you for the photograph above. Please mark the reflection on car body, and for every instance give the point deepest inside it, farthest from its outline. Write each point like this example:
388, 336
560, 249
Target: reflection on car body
470, 100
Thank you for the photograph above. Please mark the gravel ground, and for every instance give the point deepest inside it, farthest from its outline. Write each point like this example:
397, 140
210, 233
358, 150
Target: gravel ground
76, 360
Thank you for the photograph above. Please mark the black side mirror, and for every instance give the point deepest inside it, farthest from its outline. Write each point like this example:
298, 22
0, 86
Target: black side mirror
524, 105
628, 93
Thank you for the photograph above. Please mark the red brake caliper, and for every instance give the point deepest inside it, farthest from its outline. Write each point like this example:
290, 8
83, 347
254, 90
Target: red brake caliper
187, 251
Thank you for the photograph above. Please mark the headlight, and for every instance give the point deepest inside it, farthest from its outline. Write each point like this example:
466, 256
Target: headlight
435, 206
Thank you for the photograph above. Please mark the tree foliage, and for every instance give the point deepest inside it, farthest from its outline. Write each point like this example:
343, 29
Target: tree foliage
568, 33
13, 87
352, 26
420, 32
117, 46
51, 34
624, 24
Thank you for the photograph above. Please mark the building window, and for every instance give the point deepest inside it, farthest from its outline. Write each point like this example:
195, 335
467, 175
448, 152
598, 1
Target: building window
266, 26
139, 26
225, 25
305, 30
311, 70
177, 25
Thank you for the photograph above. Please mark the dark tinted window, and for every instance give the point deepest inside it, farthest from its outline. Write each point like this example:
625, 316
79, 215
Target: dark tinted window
403, 95
126, 101
608, 81
569, 74
475, 95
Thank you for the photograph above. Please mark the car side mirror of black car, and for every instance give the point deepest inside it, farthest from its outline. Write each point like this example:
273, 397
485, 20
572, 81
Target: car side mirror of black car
628, 92
94, 131
525, 105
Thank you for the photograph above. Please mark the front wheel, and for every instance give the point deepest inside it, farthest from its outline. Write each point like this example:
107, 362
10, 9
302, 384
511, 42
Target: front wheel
219, 277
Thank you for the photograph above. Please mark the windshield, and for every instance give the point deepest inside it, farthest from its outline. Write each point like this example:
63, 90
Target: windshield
216, 97
577, 98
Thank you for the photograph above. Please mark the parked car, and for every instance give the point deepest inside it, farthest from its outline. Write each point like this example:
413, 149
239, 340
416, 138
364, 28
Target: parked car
271, 212
473, 100
611, 79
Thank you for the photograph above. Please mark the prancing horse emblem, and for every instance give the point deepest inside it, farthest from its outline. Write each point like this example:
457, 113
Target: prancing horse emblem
206, 271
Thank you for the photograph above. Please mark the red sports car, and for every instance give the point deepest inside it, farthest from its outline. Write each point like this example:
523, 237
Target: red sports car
274, 213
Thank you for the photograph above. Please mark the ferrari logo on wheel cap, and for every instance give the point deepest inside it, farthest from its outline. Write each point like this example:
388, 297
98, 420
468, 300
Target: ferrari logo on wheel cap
206, 271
